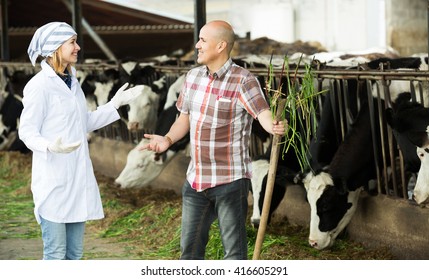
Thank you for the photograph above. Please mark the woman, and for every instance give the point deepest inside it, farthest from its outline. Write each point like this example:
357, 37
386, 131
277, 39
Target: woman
53, 125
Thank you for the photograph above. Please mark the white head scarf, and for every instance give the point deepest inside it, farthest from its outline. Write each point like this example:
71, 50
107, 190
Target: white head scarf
48, 38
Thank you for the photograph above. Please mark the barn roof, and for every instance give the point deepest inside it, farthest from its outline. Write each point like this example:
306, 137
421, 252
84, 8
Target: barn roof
126, 32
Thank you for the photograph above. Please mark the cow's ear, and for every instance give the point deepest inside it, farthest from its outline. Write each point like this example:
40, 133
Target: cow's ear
299, 177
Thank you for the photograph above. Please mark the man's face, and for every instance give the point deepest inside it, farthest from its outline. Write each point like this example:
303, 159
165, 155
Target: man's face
207, 45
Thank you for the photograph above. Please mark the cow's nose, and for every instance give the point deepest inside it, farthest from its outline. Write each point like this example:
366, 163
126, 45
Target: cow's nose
133, 126
313, 243
255, 223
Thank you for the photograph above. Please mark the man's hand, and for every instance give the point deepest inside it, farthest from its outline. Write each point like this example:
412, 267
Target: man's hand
157, 143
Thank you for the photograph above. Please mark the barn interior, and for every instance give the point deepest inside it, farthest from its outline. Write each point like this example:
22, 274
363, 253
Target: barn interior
116, 32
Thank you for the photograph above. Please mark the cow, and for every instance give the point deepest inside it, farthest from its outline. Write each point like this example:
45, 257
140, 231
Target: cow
333, 192
283, 177
343, 162
421, 190
342, 169
142, 167
409, 121
143, 111
174, 91
10, 113
106, 85
396, 87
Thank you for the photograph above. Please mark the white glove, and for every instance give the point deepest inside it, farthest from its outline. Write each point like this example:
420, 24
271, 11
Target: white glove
123, 97
59, 147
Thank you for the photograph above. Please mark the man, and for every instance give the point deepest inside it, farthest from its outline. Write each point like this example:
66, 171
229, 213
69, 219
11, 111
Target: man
217, 105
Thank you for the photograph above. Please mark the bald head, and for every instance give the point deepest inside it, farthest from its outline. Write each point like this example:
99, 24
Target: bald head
223, 32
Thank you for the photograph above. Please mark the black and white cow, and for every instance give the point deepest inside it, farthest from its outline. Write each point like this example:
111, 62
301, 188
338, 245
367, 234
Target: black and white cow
410, 123
287, 168
416, 63
10, 114
333, 192
333, 189
144, 166
143, 111
341, 167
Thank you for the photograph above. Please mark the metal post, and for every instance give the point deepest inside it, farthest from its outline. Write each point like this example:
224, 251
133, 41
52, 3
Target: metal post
199, 20
5, 56
77, 25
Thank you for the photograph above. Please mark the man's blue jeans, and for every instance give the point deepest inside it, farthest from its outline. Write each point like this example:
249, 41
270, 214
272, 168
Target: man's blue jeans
227, 203
62, 241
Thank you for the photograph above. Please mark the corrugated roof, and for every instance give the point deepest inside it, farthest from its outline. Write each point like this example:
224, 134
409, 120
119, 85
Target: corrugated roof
127, 32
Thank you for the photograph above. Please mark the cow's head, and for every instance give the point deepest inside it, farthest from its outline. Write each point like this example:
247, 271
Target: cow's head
143, 112
102, 90
421, 190
332, 208
142, 167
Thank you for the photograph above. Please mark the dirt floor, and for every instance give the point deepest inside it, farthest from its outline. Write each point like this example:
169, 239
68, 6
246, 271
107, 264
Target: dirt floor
32, 249
97, 247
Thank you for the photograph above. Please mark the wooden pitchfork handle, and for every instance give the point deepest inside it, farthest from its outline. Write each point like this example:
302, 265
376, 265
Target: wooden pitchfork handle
275, 149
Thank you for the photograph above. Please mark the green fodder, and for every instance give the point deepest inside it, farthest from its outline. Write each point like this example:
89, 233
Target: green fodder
294, 100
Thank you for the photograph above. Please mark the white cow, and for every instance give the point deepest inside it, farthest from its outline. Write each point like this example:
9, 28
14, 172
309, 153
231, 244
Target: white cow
143, 113
421, 190
142, 167
102, 90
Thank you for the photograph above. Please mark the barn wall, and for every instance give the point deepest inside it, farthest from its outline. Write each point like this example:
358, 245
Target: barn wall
407, 26
379, 220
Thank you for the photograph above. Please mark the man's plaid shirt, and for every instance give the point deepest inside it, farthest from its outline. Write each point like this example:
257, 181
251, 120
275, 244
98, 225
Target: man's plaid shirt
221, 110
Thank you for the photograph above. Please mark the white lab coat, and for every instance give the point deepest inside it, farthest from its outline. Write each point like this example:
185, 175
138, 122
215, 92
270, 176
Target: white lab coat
63, 185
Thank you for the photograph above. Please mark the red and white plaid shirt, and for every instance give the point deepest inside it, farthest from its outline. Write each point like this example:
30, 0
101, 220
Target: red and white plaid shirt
221, 110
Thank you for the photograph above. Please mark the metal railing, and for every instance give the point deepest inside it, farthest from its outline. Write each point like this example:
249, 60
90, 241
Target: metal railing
392, 178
